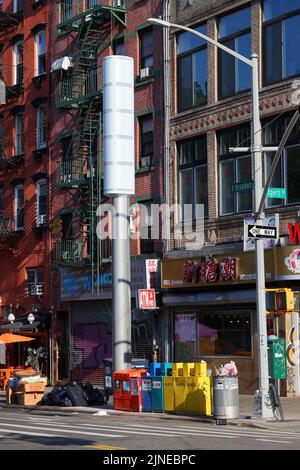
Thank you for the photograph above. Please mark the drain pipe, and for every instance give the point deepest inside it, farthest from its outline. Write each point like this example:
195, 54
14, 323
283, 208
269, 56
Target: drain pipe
166, 56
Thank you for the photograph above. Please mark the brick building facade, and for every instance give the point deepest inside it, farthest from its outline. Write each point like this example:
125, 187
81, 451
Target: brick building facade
24, 174
207, 116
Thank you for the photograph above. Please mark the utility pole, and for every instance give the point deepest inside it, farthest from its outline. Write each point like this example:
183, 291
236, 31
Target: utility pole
119, 183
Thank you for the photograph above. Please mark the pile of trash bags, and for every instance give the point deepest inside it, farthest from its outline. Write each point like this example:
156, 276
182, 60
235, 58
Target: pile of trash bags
227, 370
75, 394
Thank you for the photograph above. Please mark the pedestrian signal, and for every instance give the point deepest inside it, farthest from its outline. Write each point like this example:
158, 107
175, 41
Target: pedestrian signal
282, 300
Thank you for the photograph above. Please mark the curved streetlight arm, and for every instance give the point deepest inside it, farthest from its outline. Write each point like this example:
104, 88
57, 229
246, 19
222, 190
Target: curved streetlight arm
166, 24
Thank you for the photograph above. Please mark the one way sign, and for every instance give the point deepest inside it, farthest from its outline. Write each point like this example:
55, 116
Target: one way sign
261, 231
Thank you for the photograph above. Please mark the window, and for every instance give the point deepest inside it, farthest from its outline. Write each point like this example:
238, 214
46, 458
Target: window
19, 134
235, 169
41, 202
67, 225
18, 63
146, 222
192, 70
19, 207
18, 6
35, 281
235, 33
193, 176
146, 137
67, 148
41, 127
40, 44
287, 172
119, 47
281, 37
146, 48
219, 333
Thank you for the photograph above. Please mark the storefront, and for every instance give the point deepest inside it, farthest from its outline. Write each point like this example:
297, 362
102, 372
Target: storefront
211, 305
88, 325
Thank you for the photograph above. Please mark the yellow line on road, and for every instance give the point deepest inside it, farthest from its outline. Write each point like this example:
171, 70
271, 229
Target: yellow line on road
104, 447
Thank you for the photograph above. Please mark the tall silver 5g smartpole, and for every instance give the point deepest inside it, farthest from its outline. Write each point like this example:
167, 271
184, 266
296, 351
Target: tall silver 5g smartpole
119, 178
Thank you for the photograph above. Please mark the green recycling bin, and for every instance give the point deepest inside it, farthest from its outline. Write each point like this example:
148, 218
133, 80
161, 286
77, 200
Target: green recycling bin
277, 358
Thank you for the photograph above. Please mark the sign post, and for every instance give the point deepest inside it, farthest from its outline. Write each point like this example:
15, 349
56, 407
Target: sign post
147, 299
261, 231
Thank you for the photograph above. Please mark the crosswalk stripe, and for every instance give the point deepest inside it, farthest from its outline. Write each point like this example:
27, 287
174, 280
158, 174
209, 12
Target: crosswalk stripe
28, 433
272, 440
69, 431
103, 447
167, 432
229, 430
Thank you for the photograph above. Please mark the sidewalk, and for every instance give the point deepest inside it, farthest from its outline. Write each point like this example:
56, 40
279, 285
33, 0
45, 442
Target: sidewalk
290, 406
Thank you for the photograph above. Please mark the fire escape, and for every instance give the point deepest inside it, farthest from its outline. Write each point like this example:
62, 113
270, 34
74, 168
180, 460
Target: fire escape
78, 92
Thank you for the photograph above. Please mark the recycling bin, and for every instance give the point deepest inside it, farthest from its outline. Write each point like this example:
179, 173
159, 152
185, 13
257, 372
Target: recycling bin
146, 391
127, 389
277, 358
158, 394
225, 397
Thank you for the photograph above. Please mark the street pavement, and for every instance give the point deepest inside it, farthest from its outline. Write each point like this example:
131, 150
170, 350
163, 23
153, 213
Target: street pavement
24, 429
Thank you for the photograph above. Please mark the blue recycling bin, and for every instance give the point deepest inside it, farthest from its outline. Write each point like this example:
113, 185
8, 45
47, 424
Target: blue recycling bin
158, 394
166, 369
146, 390
155, 369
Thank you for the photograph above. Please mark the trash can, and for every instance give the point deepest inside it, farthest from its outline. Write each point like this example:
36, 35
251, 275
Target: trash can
225, 397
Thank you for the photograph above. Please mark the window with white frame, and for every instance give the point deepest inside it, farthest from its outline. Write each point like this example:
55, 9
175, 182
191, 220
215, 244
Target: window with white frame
18, 63
35, 281
41, 127
19, 207
18, 6
193, 177
146, 140
287, 173
146, 48
235, 172
40, 50
19, 134
41, 202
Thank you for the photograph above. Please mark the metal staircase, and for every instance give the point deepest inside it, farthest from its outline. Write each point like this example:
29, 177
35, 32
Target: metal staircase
79, 91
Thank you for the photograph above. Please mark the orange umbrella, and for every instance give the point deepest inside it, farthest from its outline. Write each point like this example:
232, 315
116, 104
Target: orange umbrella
6, 338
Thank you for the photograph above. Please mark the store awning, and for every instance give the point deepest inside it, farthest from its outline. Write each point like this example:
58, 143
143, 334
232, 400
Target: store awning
64, 63
208, 298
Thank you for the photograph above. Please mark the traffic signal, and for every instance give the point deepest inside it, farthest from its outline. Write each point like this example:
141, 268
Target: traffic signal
282, 300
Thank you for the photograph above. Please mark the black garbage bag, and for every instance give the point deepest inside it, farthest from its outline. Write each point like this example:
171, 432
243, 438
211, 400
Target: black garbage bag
75, 394
57, 397
93, 396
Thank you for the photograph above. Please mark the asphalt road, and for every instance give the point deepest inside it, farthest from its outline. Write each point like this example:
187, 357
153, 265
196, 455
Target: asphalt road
46, 430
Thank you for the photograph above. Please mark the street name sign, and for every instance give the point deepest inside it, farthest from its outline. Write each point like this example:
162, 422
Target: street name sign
244, 186
261, 231
276, 193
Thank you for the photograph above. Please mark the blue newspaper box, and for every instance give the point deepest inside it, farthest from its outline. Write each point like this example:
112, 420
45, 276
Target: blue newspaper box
166, 369
158, 394
146, 386
155, 369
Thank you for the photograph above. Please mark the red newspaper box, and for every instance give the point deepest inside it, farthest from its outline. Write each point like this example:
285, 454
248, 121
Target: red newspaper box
127, 389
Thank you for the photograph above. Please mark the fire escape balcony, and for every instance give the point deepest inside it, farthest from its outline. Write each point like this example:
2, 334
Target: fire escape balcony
10, 19
6, 160
74, 89
6, 228
73, 13
71, 252
71, 174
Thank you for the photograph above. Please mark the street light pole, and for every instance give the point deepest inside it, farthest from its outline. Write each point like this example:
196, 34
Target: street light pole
256, 148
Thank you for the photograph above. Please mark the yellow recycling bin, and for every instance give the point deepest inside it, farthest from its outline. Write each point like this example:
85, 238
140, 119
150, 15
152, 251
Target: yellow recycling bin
180, 394
188, 369
169, 397
201, 369
177, 369
198, 396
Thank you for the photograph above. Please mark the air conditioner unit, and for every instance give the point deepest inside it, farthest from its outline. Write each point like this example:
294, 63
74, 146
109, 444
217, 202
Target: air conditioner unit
146, 72
145, 161
41, 219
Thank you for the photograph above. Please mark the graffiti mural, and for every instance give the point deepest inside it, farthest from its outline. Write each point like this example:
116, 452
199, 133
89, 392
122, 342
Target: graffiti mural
93, 342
